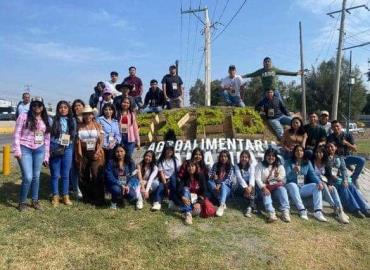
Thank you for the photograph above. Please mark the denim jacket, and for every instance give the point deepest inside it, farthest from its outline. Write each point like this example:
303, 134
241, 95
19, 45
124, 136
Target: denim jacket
306, 170
112, 174
109, 127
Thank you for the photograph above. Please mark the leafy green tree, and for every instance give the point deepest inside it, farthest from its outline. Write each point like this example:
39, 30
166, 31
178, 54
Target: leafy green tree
197, 93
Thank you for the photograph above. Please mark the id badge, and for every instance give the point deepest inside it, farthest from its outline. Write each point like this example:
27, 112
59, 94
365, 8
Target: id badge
111, 138
122, 180
123, 128
90, 144
39, 137
270, 112
174, 86
334, 171
65, 139
300, 180
272, 182
194, 198
233, 91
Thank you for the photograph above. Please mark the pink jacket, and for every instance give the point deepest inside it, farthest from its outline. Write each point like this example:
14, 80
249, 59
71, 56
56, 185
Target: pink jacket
26, 137
132, 129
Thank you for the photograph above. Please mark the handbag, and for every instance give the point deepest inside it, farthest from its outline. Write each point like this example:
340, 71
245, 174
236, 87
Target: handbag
57, 151
207, 209
274, 186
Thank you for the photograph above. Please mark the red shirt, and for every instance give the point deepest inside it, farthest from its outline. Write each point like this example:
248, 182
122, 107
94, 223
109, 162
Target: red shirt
194, 186
124, 119
136, 83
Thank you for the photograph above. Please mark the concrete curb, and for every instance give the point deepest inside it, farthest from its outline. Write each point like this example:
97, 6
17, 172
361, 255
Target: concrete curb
6, 130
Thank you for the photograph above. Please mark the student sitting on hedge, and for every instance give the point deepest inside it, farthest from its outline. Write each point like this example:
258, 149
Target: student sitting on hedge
120, 178
245, 175
270, 178
148, 176
303, 182
352, 199
220, 180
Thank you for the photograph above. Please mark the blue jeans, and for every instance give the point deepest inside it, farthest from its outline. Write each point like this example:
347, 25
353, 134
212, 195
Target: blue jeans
172, 186
30, 164
232, 100
157, 194
277, 124
60, 167
332, 197
281, 195
352, 199
359, 163
130, 146
307, 190
186, 208
153, 109
224, 193
131, 196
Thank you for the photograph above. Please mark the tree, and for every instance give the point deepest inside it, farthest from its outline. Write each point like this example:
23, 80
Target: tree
366, 109
197, 93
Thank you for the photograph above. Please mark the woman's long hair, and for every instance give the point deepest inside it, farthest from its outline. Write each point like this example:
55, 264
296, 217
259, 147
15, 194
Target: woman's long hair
202, 165
304, 159
127, 160
300, 130
227, 165
151, 165
245, 152
73, 106
56, 128
109, 105
166, 147
31, 122
321, 148
186, 178
275, 153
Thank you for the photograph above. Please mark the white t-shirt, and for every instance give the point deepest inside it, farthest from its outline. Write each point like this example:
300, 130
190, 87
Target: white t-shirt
235, 84
23, 108
112, 87
167, 166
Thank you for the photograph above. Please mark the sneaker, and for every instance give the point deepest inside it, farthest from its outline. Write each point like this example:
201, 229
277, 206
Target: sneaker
36, 205
248, 212
22, 207
367, 213
220, 210
286, 216
320, 216
156, 206
55, 200
188, 219
172, 205
113, 206
139, 204
66, 200
271, 217
78, 194
303, 214
341, 216
359, 214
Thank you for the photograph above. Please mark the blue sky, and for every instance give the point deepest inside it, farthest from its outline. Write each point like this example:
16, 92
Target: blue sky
63, 48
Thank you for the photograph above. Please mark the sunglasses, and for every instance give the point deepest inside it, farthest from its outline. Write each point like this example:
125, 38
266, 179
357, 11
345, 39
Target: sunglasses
38, 105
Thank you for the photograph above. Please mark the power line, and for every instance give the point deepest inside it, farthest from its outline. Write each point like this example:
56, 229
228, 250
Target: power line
223, 11
230, 21
194, 47
187, 48
214, 11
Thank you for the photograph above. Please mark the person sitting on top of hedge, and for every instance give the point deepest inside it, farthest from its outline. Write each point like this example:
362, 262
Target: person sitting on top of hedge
233, 89
276, 113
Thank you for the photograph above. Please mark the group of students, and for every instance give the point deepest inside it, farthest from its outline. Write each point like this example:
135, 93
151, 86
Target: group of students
96, 154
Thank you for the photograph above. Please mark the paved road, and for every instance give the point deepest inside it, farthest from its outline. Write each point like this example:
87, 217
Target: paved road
5, 139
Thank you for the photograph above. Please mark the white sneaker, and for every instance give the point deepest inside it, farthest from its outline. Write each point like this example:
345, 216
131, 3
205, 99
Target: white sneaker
303, 214
156, 206
113, 206
271, 217
286, 216
188, 219
248, 212
320, 216
139, 204
220, 210
341, 216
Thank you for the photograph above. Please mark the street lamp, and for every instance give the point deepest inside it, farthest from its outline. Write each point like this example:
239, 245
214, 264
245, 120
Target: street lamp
351, 82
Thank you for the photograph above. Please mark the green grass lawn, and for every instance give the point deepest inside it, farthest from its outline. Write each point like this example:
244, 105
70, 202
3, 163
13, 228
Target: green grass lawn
84, 237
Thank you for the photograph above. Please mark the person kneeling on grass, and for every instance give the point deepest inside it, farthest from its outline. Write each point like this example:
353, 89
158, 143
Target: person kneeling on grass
270, 178
245, 174
147, 172
191, 190
120, 178
168, 166
329, 193
220, 180
352, 199
303, 182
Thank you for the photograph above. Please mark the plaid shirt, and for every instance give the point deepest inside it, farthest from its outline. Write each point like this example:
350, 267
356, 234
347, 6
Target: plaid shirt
26, 137
227, 179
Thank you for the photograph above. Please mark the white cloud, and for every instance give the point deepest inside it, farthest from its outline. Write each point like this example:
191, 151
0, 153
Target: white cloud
110, 18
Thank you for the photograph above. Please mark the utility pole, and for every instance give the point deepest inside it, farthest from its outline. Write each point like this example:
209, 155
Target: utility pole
303, 83
351, 81
339, 54
207, 50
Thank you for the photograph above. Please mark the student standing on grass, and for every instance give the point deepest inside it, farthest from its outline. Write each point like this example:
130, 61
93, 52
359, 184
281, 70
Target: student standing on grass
270, 178
191, 191
112, 134
128, 126
220, 180
233, 89
31, 142
121, 180
173, 89
77, 107
63, 131
147, 173
352, 199
168, 167
268, 76
245, 175
90, 158
329, 193
303, 182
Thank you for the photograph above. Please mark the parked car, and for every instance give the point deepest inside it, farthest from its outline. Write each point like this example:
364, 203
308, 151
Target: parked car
353, 128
